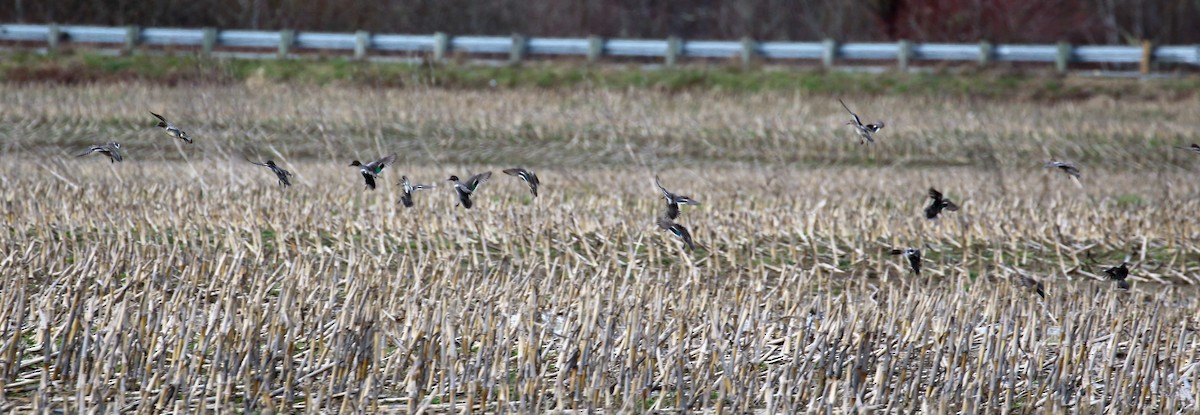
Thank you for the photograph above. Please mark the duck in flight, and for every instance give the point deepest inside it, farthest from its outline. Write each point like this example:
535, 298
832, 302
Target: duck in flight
864, 131
1031, 284
1067, 168
913, 256
279, 172
171, 129
1119, 273
372, 170
108, 149
680, 231
527, 176
1195, 148
466, 188
408, 188
673, 200
939, 203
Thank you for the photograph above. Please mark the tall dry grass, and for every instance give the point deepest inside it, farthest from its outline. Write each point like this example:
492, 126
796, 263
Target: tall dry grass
185, 280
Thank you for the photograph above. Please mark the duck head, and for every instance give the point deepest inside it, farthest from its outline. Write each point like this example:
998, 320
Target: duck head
453, 178
356, 163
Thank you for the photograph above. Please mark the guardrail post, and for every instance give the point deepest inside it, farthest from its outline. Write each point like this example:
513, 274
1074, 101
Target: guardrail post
441, 45
749, 50
595, 48
829, 53
1147, 56
1063, 58
362, 41
518, 49
286, 38
53, 34
674, 49
209, 41
133, 36
903, 54
985, 53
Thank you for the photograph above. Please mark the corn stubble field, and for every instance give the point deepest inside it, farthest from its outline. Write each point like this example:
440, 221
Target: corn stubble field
185, 279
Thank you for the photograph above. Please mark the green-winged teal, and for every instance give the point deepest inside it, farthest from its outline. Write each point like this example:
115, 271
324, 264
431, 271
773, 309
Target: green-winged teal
279, 172
526, 175
673, 200
1031, 284
680, 231
371, 170
171, 129
913, 256
939, 203
108, 149
1064, 167
1195, 148
408, 188
465, 189
1067, 168
864, 131
1119, 274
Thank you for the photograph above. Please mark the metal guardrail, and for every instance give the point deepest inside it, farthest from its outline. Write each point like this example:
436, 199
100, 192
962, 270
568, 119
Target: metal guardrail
361, 44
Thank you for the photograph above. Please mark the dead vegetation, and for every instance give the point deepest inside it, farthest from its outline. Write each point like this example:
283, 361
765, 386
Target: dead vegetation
185, 279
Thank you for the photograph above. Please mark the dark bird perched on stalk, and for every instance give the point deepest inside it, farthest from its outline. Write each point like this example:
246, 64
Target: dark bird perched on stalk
108, 149
467, 188
864, 131
1031, 284
408, 188
171, 129
913, 256
1068, 168
279, 172
526, 175
1195, 148
680, 231
939, 203
372, 170
1119, 273
673, 200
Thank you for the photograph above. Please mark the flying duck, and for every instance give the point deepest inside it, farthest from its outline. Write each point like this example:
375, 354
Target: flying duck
864, 131
1065, 167
279, 172
171, 129
680, 231
108, 149
939, 203
1195, 148
673, 200
1031, 284
371, 170
408, 189
1119, 273
913, 256
465, 189
526, 175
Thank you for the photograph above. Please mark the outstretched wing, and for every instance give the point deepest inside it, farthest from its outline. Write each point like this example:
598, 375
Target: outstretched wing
856, 120
948, 205
378, 165
478, 179
667, 194
160, 118
934, 194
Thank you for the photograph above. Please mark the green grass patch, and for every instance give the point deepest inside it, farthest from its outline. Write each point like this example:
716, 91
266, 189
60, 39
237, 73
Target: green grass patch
82, 67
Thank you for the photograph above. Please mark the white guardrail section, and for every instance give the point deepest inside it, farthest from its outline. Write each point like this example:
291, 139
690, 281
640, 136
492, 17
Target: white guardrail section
360, 44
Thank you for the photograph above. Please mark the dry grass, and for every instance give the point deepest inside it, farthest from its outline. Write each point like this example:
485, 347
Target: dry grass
185, 280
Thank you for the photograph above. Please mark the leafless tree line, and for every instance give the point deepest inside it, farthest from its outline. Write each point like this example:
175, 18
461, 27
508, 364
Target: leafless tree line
1079, 21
